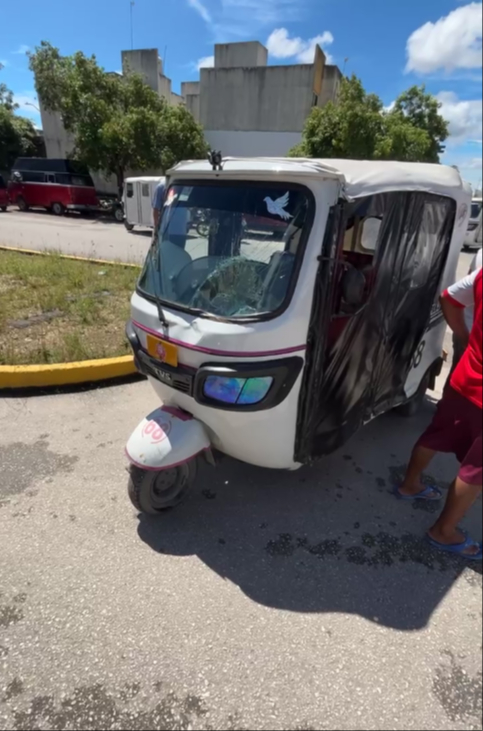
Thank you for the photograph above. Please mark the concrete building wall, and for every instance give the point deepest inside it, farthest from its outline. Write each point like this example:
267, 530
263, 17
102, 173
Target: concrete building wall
235, 55
271, 98
190, 92
252, 144
145, 62
331, 85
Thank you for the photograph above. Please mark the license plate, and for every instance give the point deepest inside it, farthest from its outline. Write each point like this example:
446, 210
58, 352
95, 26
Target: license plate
163, 351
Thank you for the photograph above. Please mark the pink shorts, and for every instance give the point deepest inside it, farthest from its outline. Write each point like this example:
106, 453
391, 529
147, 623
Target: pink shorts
457, 429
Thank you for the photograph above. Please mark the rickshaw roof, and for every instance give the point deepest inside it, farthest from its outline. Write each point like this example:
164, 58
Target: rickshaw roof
145, 179
360, 178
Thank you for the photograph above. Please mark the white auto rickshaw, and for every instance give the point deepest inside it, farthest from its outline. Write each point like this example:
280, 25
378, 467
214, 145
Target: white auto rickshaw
138, 199
274, 346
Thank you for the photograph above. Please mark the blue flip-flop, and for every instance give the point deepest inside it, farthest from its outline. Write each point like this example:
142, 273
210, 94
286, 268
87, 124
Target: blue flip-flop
425, 494
459, 548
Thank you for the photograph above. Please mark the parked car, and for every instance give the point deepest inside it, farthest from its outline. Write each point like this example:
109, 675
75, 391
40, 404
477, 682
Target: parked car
4, 199
474, 238
57, 185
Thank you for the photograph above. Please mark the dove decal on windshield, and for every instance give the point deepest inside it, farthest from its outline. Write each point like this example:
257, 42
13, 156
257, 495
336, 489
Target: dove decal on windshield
277, 207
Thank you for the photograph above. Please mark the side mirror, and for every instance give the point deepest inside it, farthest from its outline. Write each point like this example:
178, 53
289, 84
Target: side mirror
353, 287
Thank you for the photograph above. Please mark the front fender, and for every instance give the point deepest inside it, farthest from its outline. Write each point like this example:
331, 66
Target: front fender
166, 438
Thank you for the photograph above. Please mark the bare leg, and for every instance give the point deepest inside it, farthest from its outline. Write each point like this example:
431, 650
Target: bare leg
461, 497
420, 459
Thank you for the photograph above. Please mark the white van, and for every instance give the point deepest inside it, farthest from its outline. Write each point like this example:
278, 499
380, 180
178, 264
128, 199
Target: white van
138, 201
474, 237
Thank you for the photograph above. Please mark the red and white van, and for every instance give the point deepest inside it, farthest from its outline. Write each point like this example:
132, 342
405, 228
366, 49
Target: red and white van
57, 185
4, 201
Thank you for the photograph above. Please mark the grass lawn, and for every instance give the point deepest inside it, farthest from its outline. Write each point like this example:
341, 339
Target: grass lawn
55, 310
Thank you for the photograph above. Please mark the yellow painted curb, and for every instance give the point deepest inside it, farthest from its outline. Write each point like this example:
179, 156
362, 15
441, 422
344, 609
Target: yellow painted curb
65, 374
34, 252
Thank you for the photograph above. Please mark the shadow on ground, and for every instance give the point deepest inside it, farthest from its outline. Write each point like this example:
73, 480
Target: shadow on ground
331, 538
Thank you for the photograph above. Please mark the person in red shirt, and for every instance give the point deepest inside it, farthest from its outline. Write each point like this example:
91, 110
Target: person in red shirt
457, 426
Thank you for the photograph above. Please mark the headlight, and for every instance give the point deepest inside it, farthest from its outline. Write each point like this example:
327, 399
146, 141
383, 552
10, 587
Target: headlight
246, 386
243, 391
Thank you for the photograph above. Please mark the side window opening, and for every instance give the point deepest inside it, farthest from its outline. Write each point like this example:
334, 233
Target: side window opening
130, 190
145, 192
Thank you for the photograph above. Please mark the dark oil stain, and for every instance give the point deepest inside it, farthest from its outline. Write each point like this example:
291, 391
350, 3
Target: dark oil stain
10, 615
13, 689
459, 694
359, 470
222, 541
20, 598
381, 482
357, 526
376, 551
209, 494
282, 546
130, 691
43, 437
348, 457
158, 686
24, 464
92, 708
72, 518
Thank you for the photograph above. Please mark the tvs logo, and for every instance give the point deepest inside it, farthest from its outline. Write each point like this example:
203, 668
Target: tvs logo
155, 432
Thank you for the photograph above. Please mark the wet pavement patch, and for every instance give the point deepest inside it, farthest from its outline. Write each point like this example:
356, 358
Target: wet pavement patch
459, 694
93, 707
376, 551
13, 689
9, 615
25, 464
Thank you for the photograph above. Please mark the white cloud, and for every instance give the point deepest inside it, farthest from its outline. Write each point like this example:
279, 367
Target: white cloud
200, 9
280, 45
22, 50
240, 19
207, 62
453, 42
464, 117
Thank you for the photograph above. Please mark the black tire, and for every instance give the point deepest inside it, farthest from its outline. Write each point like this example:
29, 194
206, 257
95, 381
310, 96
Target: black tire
155, 492
3, 209
129, 226
22, 204
58, 209
412, 407
118, 214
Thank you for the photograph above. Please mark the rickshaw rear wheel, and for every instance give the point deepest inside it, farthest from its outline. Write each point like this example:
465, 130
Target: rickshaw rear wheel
129, 226
412, 407
155, 492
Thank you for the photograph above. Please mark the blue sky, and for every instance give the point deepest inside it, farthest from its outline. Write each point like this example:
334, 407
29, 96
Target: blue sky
389, 44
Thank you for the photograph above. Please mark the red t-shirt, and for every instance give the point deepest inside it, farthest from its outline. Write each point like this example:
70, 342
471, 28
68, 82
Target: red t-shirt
468, 376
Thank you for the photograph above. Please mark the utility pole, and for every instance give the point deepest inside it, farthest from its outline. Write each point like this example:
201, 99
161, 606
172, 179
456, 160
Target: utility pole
132, 25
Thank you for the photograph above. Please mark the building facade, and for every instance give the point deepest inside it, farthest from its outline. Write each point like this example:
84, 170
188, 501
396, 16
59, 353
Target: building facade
248, 108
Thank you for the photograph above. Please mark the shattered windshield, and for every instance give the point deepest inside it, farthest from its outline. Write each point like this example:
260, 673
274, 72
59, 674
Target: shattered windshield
228, 249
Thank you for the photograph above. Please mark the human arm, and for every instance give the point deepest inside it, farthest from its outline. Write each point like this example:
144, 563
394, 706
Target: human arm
158, 204
454, 301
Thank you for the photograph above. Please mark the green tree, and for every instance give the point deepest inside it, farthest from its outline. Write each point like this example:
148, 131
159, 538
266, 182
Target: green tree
18, 135
358, 127
423, 111
117, 122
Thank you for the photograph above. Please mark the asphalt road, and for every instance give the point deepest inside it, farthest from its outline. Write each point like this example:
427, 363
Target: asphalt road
269, 600
75, 235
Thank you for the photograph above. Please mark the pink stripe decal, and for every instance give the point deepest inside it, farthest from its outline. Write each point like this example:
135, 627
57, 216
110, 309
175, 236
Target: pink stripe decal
210, 351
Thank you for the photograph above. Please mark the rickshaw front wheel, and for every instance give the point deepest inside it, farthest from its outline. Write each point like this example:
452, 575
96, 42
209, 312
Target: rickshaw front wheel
155, 492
